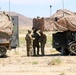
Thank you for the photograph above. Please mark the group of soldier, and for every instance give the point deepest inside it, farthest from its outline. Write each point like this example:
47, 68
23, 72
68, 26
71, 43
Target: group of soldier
35, 41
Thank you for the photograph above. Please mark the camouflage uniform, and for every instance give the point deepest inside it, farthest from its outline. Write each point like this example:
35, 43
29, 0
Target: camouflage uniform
28, 39
36, 42
42, 41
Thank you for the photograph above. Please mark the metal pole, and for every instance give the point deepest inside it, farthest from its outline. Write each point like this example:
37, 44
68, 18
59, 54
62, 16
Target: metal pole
0, 8
63, 4
9, 7
63, 7
50, 10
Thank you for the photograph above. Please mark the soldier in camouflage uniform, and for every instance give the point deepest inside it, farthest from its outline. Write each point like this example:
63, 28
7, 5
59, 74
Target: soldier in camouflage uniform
35, 42
42, 41
29, 39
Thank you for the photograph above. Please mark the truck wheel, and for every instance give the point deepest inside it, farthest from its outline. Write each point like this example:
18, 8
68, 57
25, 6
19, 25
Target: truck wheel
72, 48
3, 50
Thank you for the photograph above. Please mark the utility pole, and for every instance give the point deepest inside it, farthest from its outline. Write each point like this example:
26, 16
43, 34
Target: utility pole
50, 10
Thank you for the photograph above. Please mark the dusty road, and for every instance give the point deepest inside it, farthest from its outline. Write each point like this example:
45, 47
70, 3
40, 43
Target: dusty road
17, 63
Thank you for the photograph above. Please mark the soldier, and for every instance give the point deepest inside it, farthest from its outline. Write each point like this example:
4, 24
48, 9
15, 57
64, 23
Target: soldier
35, 42
42, 41
28, 39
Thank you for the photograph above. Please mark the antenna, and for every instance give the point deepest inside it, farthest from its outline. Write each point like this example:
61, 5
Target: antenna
63, 6
50, 10
0, 8
9, 7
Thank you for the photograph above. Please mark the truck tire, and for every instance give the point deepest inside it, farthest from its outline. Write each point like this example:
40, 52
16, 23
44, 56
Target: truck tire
72, 48
3, 50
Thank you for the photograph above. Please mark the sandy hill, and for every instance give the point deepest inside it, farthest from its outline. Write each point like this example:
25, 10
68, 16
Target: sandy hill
23, 20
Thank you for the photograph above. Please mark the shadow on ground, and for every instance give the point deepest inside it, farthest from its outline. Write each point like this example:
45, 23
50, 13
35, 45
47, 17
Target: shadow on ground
5, 56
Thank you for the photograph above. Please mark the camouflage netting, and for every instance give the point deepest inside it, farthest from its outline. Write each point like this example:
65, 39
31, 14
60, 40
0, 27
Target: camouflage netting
38, 23
6, 24
66, 20
43, 24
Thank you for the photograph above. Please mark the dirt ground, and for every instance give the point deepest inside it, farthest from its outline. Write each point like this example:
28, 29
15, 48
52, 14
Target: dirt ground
17, 63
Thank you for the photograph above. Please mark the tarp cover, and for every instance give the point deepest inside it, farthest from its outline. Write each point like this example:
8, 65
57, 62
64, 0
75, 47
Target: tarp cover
38, 23
6, 24
62, 20
65, 20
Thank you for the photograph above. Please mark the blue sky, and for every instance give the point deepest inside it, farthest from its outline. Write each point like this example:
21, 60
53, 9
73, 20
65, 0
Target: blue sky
34, 8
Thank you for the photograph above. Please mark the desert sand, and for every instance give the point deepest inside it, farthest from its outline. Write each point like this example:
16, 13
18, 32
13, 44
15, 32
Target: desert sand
16, 62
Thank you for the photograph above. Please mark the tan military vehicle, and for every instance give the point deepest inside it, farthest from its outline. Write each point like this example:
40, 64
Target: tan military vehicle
6, 30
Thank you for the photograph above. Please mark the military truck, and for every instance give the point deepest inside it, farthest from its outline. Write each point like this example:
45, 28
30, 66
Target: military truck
64, 40
63, 24
8, 28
